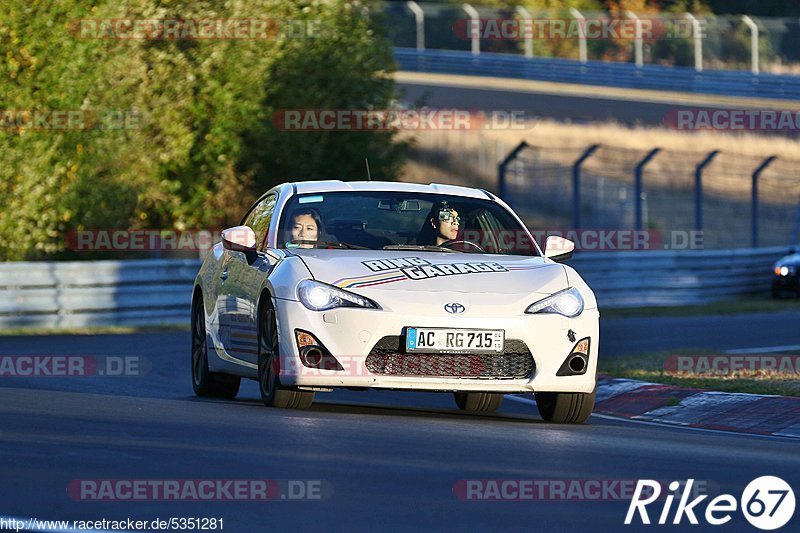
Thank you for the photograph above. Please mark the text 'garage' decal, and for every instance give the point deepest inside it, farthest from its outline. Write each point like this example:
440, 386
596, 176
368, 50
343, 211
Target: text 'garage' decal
416, 268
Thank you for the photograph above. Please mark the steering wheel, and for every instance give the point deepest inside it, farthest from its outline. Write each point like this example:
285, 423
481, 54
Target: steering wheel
449, 244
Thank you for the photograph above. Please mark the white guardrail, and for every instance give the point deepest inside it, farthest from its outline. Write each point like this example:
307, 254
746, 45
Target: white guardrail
158, 291
72, 294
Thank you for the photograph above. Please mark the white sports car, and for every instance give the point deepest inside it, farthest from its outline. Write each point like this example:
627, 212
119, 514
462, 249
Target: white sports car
396, 286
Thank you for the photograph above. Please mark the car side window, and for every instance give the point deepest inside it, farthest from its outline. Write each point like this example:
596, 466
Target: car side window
260, 217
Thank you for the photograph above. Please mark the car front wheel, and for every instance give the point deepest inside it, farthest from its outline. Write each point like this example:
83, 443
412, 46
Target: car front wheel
565, 407
478, 402
272, 393
204, 382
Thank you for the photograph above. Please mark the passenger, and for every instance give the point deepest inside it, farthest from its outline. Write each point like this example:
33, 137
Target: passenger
307, 226
441, 225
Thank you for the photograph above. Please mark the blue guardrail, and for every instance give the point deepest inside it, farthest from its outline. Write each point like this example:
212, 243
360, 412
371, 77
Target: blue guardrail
608, 74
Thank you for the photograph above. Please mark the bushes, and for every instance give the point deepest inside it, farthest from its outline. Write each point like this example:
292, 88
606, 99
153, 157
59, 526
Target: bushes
184, 138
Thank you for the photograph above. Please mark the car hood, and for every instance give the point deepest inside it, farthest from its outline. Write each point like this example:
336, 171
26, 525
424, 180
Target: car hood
789, 260
391, 270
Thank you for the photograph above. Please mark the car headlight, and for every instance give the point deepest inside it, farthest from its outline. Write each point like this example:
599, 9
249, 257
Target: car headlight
319, 296
568, 303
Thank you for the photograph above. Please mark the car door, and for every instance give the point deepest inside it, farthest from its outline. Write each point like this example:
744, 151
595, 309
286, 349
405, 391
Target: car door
240, 282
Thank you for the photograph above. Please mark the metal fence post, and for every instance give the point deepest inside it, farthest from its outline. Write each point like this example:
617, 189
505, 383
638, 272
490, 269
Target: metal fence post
527, 24
638, 43
474, 28
583, 53
698, 189
419, 18
576, 185
754, 54
638, 186
754, 200
502, 187
697, 34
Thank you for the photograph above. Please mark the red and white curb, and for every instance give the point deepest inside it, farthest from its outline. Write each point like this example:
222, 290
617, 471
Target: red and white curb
742, 413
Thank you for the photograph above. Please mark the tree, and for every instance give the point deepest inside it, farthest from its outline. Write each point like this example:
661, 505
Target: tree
179, 133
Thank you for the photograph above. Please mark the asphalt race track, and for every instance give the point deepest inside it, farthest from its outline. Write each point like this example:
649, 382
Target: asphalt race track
559, 107
629, 336
385, 460
586, 105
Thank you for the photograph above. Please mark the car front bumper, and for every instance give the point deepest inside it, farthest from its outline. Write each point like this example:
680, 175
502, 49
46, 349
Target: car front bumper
350, 335
789, 282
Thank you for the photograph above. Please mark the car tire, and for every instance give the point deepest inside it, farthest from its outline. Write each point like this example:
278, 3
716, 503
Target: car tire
565, 407
269, 383
478, 402
204, 382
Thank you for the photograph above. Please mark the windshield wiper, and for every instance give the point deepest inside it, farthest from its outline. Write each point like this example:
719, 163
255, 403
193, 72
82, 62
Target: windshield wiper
328, 244
425, 248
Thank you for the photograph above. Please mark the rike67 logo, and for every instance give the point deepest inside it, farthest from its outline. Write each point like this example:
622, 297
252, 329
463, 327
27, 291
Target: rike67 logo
767, 503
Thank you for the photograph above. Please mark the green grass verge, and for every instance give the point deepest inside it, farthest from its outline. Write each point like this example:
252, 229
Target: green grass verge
650, 367
750, 304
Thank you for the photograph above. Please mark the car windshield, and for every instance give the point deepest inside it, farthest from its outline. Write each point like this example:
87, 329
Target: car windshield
402, 221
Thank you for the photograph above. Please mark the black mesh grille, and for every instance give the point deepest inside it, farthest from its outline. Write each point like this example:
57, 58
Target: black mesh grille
387, 358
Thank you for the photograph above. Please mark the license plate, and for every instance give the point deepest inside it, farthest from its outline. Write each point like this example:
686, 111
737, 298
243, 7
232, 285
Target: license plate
433, 340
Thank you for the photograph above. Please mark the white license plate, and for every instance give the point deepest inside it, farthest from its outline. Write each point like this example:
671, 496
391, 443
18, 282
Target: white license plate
454, 340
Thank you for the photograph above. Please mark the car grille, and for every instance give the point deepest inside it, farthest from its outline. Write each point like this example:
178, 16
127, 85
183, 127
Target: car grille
387, 358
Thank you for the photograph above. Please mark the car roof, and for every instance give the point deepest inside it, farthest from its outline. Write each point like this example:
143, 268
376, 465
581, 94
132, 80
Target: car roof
306, 187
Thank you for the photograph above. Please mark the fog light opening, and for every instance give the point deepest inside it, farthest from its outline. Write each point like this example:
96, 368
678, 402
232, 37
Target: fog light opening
313, 356
578, 363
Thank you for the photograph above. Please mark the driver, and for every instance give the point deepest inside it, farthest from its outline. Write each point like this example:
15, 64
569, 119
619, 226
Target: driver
441, 225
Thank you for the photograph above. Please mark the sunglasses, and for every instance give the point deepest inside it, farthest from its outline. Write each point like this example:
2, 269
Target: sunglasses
449, 216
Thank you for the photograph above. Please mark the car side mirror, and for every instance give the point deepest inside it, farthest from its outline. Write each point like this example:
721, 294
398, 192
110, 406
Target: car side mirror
558, 248
240, 239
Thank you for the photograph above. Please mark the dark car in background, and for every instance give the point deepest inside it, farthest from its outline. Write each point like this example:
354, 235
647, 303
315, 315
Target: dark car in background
785, 275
